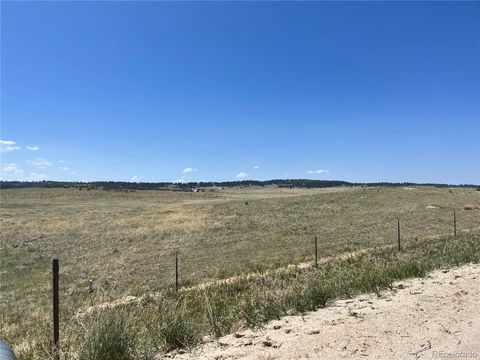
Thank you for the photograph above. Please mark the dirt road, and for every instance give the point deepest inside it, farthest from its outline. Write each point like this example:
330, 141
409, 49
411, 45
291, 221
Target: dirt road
431, 318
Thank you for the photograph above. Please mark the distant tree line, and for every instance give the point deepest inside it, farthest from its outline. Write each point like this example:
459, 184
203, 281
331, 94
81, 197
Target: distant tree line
281, 183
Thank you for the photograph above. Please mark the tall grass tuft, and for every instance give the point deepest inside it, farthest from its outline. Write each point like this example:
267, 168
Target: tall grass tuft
173, 327
112, 338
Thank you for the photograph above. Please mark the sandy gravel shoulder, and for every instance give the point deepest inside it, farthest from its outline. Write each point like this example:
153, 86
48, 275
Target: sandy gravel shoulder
430, 318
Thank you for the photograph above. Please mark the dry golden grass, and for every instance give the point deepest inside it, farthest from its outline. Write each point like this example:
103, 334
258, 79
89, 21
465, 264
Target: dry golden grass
112, 244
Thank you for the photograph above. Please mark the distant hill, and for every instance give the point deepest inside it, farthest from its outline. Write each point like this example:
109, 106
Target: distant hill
281, 183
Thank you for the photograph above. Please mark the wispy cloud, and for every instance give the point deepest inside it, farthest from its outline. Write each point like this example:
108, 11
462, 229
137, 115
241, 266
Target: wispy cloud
256, 167
12, 168
188, 170
8, 146
319, 171
183, 179
33, 148
7, 142
64, 168
41, 163
64, 161
11, 172
135, 178
242, 175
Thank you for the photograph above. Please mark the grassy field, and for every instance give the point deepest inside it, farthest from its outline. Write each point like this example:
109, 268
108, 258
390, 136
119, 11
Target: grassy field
115, 243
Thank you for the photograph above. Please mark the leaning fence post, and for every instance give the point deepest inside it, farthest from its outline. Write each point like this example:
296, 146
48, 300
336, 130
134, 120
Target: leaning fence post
398, 235
454, 224
316, 252
56, 332
176, 270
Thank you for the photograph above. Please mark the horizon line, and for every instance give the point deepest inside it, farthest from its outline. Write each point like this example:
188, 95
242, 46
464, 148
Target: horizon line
343, 182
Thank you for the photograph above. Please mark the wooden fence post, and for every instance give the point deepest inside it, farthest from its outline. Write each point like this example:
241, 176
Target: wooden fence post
316, 252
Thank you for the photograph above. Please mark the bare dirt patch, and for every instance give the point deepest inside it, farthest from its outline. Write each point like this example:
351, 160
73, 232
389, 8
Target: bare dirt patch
419, 319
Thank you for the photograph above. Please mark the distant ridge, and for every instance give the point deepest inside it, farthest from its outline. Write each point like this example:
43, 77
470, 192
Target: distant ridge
281, 183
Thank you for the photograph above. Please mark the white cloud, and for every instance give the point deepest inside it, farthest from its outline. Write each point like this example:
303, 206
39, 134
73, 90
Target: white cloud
9, 148
181, 180
11, 172
8, 145
319, 171
12, 168
135, 178
188, 170
256, 167
64, 161
37, 177
64, 168
33, 148
242, 175
41, 163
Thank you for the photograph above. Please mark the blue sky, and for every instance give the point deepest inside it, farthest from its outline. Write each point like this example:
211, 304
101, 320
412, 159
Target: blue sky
171, 91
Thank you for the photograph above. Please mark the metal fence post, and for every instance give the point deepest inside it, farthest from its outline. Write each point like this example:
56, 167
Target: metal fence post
398, 235
454, 223
176, 270
56, 328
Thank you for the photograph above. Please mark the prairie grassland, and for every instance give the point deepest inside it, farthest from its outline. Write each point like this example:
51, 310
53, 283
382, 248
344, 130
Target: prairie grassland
112, 244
